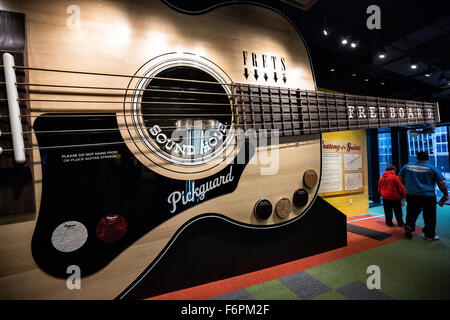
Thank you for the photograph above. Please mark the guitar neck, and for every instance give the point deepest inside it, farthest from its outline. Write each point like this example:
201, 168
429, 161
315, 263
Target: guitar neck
293, 112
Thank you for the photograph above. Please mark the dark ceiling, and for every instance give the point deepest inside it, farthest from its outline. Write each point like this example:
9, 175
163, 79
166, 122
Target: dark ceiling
410, 31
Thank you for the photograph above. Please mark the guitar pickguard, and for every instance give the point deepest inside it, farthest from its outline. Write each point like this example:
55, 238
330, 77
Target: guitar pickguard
97, 200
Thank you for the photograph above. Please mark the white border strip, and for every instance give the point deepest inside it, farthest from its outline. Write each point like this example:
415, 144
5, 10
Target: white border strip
381, 215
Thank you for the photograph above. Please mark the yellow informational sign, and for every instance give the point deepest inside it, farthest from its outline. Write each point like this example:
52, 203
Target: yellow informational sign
344, 182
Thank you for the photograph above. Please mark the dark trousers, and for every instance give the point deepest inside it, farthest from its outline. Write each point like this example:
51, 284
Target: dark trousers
393, 205
417, 204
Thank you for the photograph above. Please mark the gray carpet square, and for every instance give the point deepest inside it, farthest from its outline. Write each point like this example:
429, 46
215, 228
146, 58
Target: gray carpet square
235, 295
359, 291
303, 285
369, 233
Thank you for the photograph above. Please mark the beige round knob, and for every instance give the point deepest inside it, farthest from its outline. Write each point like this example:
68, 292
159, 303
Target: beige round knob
310, 178
283, 208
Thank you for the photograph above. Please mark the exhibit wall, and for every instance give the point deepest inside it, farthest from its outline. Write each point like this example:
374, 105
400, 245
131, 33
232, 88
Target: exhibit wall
344, 178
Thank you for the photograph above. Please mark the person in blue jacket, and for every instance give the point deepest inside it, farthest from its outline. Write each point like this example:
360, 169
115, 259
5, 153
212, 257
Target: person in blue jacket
419, 178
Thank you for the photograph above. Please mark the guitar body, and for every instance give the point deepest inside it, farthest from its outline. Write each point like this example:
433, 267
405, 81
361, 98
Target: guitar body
128, 184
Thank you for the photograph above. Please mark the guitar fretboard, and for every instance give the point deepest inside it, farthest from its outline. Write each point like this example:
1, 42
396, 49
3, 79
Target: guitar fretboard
296, 112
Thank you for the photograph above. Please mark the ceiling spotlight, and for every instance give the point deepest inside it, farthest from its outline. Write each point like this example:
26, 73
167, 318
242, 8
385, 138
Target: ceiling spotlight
353, 74
353, 44
344, 41
326, 28
427, 75
332, 69
413, 66
326, 31
381, 55
366, 79
382, 83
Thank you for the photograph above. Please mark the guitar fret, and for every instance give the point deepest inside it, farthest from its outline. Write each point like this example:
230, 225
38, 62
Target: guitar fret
328, 113
291, 111
417, 119
309, 115
314, 110
235, 105
272, 126
396, 107
357, 112
262, 108
347, 111
367, 111
337, 113
311, 112
281, 111
318, 112
252, 107
243, 108
378, 115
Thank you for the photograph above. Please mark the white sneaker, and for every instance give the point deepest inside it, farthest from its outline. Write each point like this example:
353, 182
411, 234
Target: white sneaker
431, 239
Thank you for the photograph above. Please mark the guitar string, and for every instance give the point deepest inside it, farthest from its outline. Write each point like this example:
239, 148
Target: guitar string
145, 140
240, 95
345, 96
184, 90
173, 102
195, 105
280, 95
92, 145
201, 107
339, 117
259, 115
342, 104
251, 124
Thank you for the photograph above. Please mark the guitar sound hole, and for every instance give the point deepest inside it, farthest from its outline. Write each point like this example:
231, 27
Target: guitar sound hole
186, 119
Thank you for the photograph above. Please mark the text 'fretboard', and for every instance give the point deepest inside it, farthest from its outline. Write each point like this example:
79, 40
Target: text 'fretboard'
295, 112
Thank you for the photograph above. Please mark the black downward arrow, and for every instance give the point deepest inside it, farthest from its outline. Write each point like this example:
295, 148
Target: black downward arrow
275, 77
266, 76
256, 74
284, 77
246, 73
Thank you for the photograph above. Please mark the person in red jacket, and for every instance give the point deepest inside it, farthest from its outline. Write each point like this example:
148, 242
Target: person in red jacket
392, 191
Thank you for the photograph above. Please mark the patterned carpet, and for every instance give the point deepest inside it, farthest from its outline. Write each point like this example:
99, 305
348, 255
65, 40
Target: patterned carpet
409, 269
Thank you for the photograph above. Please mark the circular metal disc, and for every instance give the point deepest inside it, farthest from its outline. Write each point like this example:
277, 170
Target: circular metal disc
69, 236
283, 208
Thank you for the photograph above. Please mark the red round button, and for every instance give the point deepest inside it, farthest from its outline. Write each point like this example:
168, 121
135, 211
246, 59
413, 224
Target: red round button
111, 228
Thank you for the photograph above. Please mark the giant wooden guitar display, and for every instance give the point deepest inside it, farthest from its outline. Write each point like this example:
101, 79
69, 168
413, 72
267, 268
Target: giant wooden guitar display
136, 119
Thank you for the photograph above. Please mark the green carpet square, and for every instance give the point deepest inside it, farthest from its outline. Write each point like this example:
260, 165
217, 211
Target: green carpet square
271, 290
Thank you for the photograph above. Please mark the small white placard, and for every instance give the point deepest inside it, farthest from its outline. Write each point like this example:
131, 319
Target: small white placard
352, 161
331, 180
353, 181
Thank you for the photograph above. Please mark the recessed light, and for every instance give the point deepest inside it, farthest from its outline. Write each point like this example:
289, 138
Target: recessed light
344, 41
382, 56
332, 69
382, 83
414, 64
325, 32
353, 45
353, 74
427, 75
366, 79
